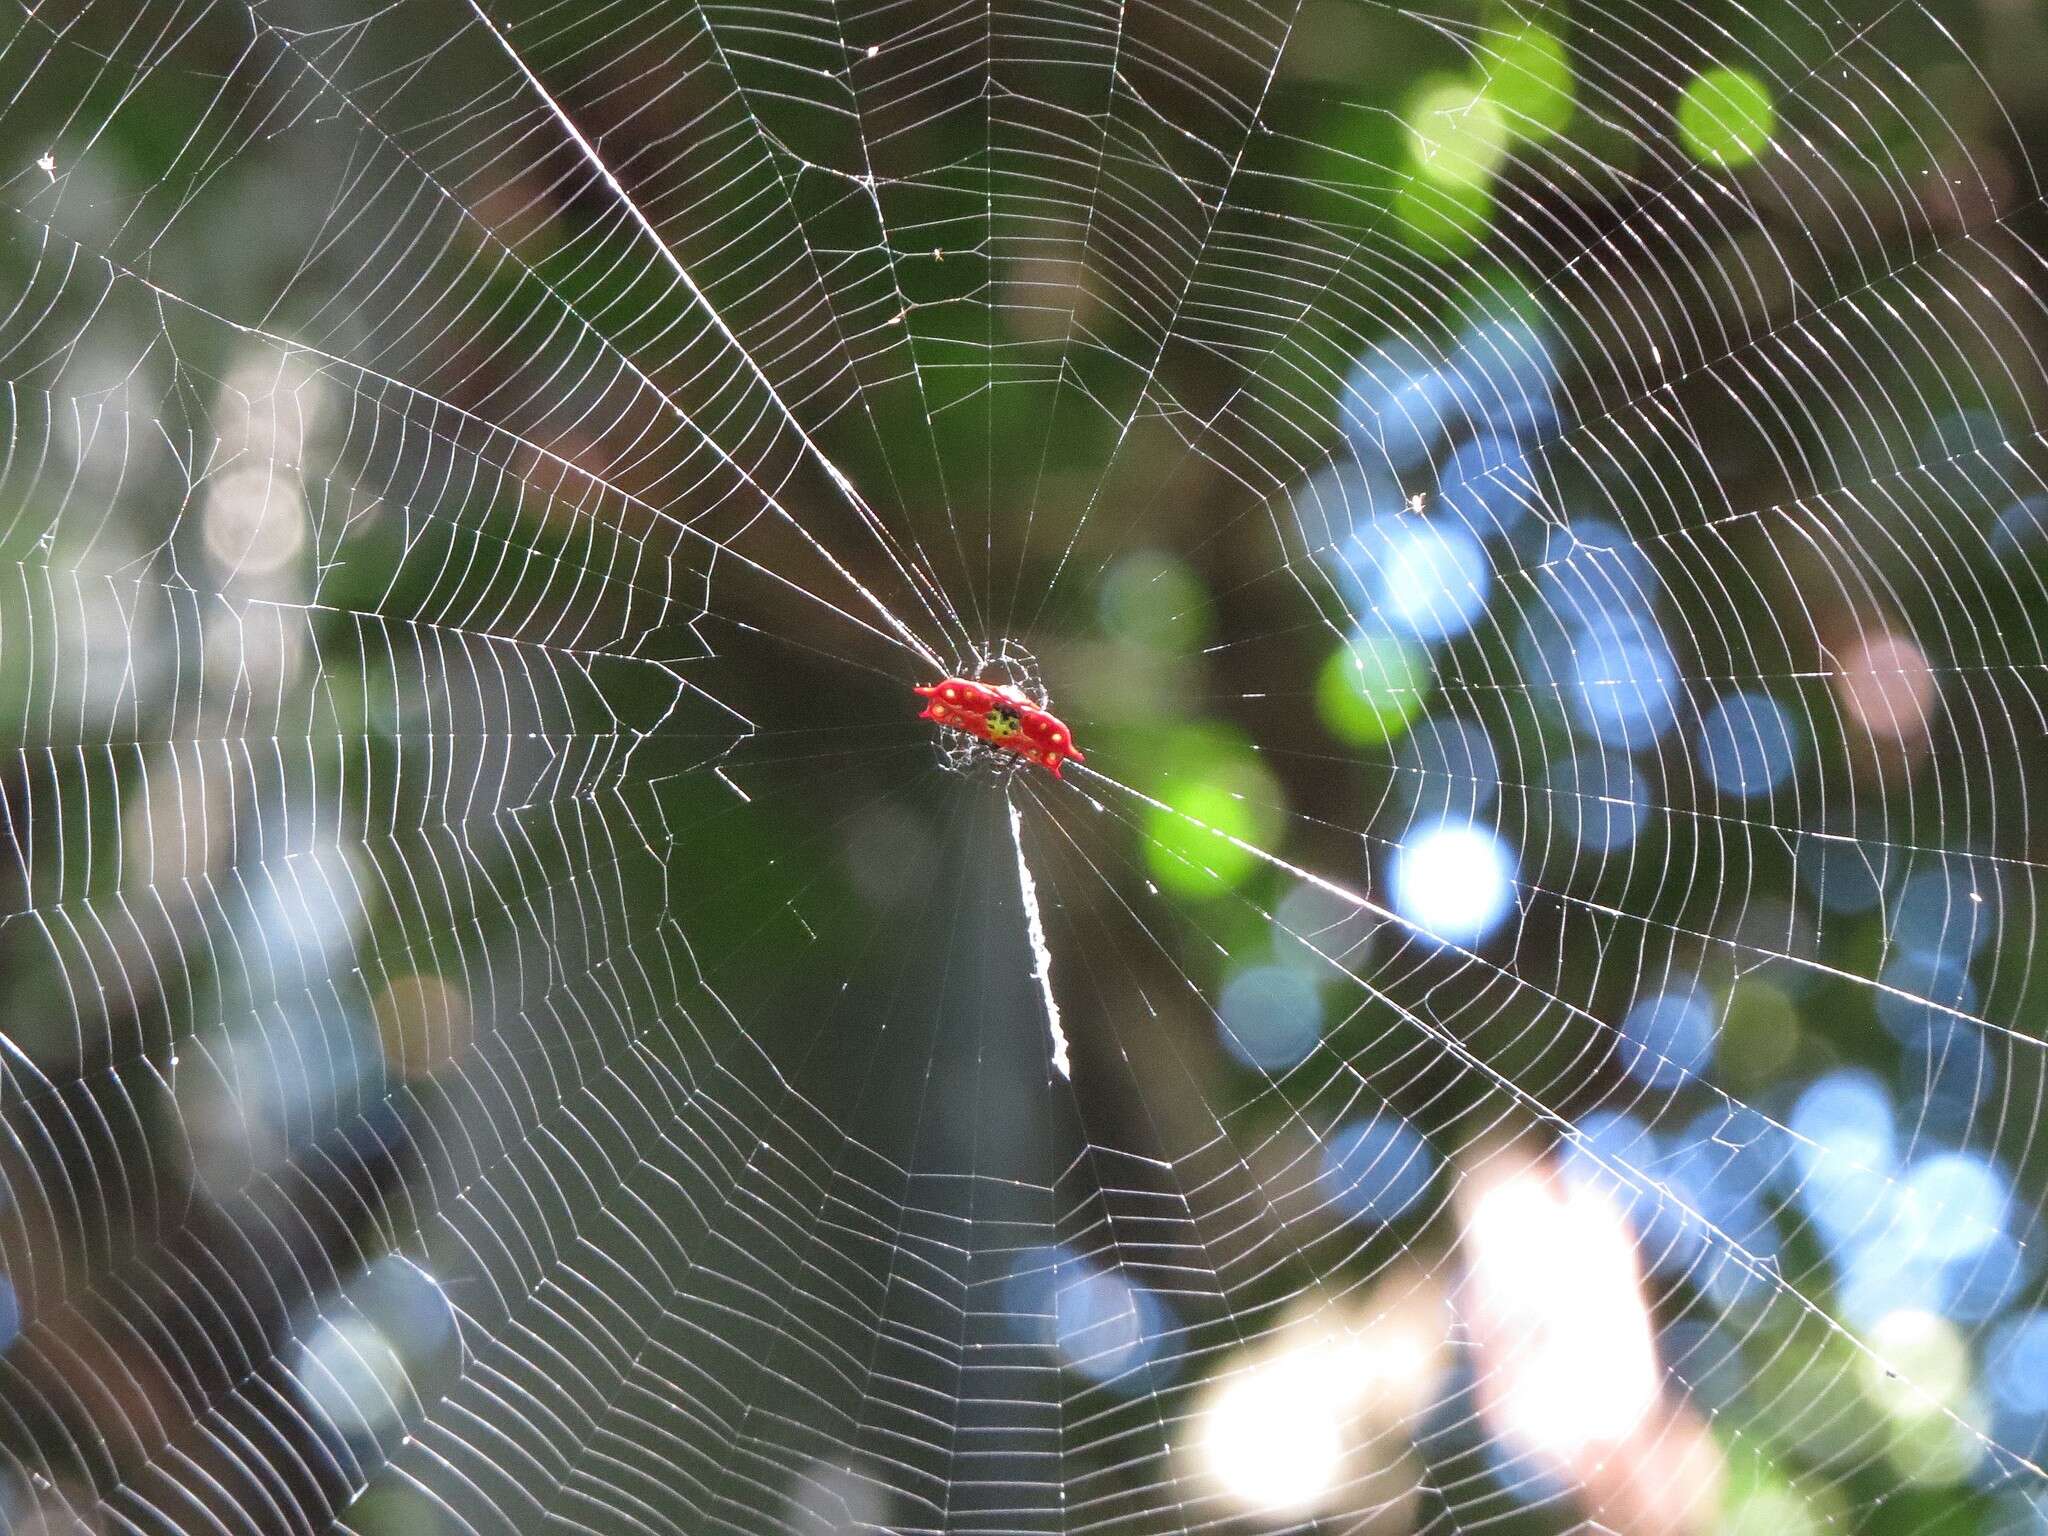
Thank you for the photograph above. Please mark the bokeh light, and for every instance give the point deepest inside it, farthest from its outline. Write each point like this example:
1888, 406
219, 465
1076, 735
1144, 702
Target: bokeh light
1151, 598
1749, 744
1558, 1316
1942, 911
1458, 133
1433, 578
1598, 800
1314, 928
1845, 1151
1371, 687
1271, 1436
352, 1378
1393, 406
1216, 804
1378, 1167
1270, 1016
2016, 1362
1840, 872
1319, 1417
1887, 687
1506, 375
1102, 1324
1952, 1205
1528, 75
1489, 485
1726, 116
1622, 681
1668, 1035
1455, 881
1925, 992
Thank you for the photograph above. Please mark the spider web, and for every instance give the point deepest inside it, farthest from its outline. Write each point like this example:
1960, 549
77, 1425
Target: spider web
1526, 1016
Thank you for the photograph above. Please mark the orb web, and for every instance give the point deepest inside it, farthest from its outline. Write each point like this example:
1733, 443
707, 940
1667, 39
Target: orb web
1526, 1018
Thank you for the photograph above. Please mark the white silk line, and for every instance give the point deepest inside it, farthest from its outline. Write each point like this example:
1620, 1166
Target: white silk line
1041, 953
674, 263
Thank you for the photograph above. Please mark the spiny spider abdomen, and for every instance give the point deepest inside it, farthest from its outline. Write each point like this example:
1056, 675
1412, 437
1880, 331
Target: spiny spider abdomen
1002, 717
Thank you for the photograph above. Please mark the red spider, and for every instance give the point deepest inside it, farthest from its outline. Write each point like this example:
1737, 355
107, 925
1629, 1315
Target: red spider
1002, 717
